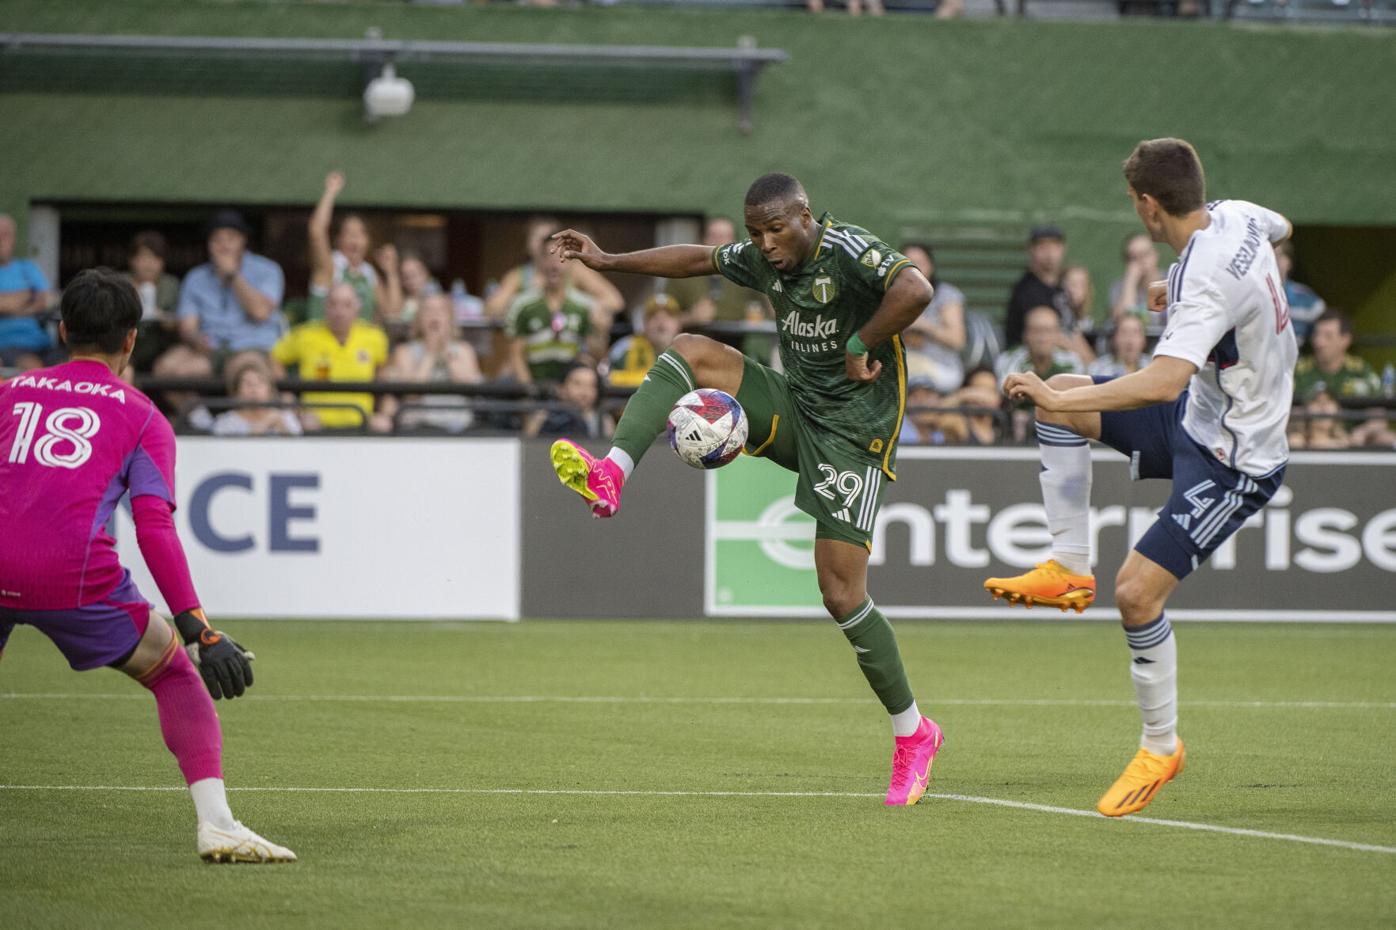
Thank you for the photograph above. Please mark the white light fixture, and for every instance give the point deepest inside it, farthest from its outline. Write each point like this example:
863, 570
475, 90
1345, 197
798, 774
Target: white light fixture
387, 95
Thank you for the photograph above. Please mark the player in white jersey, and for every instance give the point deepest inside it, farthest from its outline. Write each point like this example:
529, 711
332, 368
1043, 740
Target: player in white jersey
1209, 412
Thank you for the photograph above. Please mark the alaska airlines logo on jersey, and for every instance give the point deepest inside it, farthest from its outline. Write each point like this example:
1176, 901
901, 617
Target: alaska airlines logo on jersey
824, 289
96, 389
818, 328
1250, 248
871, 257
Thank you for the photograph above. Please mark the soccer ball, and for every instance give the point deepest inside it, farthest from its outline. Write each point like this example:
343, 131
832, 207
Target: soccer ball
707, 428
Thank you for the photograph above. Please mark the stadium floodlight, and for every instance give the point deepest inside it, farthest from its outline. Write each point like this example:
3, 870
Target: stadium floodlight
387, 95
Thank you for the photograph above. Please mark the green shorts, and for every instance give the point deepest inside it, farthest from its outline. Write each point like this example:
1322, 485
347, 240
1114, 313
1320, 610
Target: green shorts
840, 483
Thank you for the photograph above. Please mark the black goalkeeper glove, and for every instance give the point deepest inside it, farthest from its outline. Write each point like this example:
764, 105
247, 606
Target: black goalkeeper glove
225, 666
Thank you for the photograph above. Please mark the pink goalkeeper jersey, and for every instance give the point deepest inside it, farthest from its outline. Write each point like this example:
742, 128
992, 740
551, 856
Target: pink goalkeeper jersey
73, 440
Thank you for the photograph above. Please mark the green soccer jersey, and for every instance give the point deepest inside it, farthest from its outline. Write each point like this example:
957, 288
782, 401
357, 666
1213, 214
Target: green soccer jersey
817, 308
552, 340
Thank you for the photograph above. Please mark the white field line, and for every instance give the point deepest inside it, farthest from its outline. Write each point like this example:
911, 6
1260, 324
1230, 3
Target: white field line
636, 792
929, 702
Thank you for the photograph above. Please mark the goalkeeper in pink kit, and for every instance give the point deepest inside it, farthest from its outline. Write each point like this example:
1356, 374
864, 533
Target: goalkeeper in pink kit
74, 439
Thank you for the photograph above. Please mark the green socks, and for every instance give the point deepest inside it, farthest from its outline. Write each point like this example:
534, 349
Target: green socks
876, 645
648, 410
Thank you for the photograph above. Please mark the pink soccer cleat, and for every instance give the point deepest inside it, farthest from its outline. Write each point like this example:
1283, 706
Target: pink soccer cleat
911, 764
598, 480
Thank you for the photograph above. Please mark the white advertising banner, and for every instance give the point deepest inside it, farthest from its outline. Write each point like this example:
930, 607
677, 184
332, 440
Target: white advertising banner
346, 528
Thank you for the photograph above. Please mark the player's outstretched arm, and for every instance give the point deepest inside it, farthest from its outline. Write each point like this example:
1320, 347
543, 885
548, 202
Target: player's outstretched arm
667, 261
901, 305
1160, 381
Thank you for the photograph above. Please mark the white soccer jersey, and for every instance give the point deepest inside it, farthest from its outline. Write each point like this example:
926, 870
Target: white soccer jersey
1227, 315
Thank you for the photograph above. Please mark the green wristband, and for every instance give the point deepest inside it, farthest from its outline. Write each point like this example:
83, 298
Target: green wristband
855, 345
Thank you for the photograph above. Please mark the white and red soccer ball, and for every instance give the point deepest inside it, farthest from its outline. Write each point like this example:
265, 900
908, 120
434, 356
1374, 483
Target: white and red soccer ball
707, 428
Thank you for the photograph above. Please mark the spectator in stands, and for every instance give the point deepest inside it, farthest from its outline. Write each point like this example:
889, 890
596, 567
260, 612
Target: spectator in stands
938, 334
1126, 355
580, 390
714, 298
1305, 306
1331, 370
980, 392
1040, 285
1041, 351
229, 304
417, 284
380, 295
341, 347
604, 296
436, 355
549, 326
252, 383
1320, 426
923, 424
24, 296
159, 293
1080, 298
1130, 292
632, 356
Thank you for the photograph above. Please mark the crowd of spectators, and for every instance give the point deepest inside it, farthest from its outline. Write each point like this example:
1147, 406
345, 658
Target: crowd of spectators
563, 347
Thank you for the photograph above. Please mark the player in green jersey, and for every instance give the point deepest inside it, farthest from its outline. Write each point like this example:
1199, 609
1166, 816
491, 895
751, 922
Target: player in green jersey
842, 298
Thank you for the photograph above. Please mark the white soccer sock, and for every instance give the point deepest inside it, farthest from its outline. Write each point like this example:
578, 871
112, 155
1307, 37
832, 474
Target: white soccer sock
211, 803
907, 722
623, 459
1066, 494
1154, 668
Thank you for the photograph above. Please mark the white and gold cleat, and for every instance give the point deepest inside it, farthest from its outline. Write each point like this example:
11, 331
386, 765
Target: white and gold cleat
239, 845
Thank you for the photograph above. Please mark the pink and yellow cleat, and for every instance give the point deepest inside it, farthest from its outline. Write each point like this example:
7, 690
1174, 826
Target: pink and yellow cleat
911, 764
598, 481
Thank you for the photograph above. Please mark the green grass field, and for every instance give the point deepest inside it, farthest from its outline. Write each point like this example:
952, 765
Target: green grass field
599, 774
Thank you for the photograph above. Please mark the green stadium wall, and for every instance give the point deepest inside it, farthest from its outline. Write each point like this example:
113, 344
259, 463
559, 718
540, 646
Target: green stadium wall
893, 123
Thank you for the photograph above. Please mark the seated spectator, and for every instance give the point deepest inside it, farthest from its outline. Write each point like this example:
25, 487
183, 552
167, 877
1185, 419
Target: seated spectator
24, 295
341, 347
580, 390
229, 304
1130, 292
1041, 351
251, 381
159, 293
549, 326
923, 424
1331, 370
981, 392
1080, 298
1305, 307
855, 8
380, 296
938, 334
714, 298
606, 299
632, 356
1321, 427
1127, 343
417, 284
1040, 285
436, 355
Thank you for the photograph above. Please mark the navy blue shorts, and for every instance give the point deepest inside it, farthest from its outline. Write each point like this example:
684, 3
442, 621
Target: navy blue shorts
1210, 500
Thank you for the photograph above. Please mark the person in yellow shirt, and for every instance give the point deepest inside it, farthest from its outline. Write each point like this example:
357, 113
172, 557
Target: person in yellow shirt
632, 356
341, 347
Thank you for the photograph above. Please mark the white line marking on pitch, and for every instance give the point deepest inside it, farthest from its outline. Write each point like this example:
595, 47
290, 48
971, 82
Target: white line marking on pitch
636, 792
617, 699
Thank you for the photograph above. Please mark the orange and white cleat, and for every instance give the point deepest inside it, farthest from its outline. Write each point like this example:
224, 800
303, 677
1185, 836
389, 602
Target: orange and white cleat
1146, 773
1049, 584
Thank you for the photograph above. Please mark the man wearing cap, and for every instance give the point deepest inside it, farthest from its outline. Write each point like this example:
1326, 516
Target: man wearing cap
632, 356
1040, 285
232, 302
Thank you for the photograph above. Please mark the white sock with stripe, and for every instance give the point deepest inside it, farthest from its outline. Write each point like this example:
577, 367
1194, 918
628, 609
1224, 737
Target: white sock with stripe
622, 459
1066, 495
1154, 668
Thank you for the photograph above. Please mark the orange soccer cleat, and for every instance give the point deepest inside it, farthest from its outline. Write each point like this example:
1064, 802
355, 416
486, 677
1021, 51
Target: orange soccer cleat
1049, 584
1146, 773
